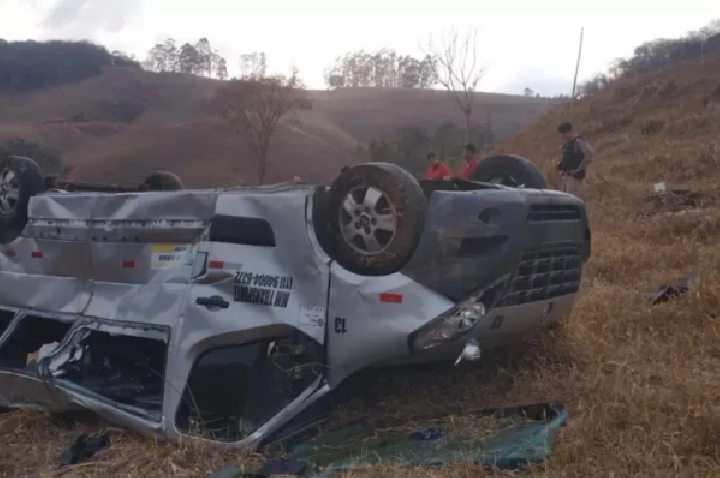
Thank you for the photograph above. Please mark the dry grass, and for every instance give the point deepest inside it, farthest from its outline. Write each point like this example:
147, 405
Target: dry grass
642, 383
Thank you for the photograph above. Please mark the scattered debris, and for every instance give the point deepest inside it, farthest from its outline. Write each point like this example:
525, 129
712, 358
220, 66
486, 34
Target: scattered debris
663, 293
674, 200
651, 127
84, 448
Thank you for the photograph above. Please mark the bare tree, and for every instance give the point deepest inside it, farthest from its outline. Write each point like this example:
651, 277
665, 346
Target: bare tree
455, 66
255, 107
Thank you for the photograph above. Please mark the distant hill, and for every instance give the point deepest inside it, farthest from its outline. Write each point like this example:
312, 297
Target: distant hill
126, 122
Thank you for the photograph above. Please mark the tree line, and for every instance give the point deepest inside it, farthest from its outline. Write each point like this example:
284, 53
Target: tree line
191, 58
29, 65
255, 103
382, 69
655, 55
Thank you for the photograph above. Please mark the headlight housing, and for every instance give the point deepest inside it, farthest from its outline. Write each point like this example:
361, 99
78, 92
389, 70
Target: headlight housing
448, 327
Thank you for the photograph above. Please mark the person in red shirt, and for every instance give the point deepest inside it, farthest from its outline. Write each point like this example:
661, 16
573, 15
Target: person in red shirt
469, 155
436, 169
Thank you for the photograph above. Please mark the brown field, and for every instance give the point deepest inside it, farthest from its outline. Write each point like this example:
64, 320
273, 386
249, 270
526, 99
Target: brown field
174, 131
642, 382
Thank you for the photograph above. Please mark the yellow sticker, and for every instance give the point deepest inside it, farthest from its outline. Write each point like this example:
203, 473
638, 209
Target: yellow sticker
167, 256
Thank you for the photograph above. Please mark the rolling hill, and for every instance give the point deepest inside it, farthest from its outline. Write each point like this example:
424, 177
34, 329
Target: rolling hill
126, 123
640, 381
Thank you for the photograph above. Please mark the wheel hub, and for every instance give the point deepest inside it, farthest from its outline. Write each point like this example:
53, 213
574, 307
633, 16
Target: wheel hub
367, 221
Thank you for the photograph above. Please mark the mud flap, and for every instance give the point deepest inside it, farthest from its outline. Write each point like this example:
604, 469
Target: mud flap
23, 390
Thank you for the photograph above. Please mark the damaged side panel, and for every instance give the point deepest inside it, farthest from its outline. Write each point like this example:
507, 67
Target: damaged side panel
26, 339
210, 321
254, 322
116, 370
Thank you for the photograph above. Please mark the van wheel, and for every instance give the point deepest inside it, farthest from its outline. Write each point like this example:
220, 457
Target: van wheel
162, 181
375, 216
20, 179
509, 170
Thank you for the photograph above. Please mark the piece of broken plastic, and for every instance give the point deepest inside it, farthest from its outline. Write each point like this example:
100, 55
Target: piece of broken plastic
665, 292
659, 187
84, 448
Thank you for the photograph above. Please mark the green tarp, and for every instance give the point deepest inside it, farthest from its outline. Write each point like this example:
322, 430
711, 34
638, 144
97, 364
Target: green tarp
506, 438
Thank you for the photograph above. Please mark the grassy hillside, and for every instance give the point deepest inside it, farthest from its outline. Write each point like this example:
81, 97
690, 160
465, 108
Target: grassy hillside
126, 123
642, 382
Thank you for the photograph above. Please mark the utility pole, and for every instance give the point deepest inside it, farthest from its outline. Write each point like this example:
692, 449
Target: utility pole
577, 65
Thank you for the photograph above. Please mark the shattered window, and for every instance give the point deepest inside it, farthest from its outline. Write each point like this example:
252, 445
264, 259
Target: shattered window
234, 390
31, 339
128, 370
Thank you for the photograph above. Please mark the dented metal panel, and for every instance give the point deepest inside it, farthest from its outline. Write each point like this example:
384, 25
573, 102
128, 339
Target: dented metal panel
133, 259
189, 272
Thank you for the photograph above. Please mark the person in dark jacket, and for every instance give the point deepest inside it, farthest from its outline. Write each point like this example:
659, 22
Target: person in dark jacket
577, 154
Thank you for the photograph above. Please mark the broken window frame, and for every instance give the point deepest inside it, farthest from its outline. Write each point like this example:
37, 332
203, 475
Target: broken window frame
315, 390
79, 332
17, 321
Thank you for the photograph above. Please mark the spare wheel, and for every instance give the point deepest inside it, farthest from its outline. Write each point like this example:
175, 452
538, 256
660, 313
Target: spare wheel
509, 170
375, 216
162, 181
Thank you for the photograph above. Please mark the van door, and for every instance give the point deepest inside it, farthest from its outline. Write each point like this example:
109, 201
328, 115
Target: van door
257, 270
257, 278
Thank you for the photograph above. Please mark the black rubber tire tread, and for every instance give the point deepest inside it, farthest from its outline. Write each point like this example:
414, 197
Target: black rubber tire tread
405, 196
32, 183
162, 181
522, 170
320, 222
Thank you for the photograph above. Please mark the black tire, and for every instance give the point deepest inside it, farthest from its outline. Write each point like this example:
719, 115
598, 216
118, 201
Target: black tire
162, 181
320, 222
26, 177
509, 170
399, 197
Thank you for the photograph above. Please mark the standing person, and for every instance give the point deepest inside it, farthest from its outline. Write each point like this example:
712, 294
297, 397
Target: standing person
577, 154
436, 169
470, 159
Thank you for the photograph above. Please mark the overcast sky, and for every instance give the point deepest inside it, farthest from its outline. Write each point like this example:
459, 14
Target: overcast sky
534, 47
